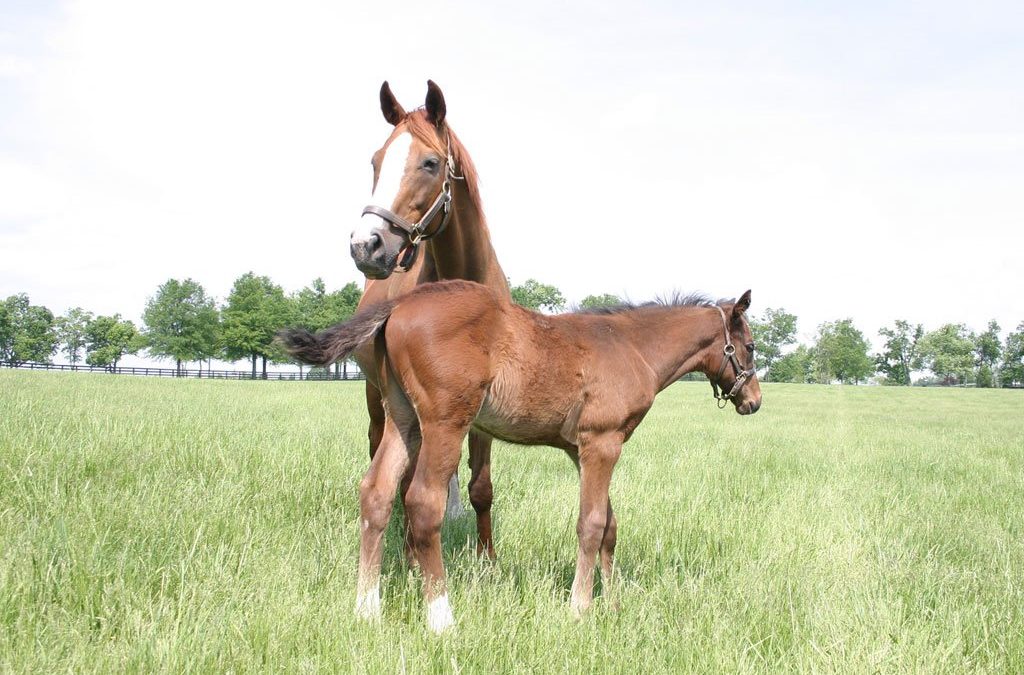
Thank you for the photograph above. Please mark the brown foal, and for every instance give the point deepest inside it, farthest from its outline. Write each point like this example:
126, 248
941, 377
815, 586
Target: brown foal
423, 176
455, 356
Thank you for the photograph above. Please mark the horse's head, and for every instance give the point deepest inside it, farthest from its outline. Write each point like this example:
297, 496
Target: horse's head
411, 197
734, 372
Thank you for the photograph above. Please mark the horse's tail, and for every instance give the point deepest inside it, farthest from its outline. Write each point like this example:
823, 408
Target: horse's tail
335, 343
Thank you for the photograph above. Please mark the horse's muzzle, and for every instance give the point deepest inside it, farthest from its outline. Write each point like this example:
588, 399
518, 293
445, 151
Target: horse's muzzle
370, 256
749, 407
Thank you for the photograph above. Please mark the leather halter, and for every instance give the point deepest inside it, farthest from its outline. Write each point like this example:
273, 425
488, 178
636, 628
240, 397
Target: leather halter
742, 375
417, 232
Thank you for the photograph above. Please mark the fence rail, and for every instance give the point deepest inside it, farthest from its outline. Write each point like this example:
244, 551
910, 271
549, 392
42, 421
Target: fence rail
348, 372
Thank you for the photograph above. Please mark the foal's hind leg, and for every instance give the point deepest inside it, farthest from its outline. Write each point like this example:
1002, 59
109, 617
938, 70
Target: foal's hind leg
425, 500
480, 492
597, 457
376, 497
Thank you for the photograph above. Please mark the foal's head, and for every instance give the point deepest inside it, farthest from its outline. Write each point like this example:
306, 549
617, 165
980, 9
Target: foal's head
732, 368
412, 185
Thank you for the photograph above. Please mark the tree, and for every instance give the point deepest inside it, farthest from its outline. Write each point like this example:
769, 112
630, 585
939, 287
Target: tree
70, 330
108, 338
181, 322
949, 353
26, 331
899, 355
1011, 373
256, 310
598, 301
987, 349
537, 296
315, 309
796, 366
841, 353
775, 329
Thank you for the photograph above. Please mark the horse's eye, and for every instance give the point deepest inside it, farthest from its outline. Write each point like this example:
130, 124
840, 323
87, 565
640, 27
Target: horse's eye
750, 347
431, 164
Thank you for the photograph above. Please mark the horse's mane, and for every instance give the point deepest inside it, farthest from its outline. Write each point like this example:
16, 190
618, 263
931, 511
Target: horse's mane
425, 131
676, 299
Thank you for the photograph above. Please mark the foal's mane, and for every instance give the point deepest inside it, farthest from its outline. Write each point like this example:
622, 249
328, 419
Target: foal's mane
676, 299
425, 131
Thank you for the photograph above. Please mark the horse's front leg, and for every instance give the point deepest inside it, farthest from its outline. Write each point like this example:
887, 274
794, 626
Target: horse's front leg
376, 411
376, 497
481, 494
425, 505
597, 458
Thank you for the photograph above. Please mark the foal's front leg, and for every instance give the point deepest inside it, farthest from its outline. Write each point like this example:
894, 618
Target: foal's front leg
597, 457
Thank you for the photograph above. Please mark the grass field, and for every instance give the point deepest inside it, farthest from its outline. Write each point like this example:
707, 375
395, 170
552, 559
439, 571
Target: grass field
157, 525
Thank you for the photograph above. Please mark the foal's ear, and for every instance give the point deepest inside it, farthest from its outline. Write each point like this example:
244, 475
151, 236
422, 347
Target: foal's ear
742, 305
389, 105
435, 104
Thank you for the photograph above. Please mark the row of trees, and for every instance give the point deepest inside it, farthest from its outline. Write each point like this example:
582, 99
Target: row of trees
183, 323
953, 354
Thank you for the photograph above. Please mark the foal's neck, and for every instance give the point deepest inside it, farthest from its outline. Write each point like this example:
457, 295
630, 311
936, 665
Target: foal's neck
675, 341
464, 250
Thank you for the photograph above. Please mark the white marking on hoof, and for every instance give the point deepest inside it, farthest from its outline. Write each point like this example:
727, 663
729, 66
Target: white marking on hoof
368, 604
439, 614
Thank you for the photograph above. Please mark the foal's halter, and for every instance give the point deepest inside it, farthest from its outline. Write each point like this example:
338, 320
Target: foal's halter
417, 232
742, 375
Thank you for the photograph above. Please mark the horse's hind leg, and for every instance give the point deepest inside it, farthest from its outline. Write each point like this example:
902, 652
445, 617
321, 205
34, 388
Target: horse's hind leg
425, 504
376, 497
481, 493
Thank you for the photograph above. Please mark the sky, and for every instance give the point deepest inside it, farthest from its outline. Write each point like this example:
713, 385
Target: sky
861, 160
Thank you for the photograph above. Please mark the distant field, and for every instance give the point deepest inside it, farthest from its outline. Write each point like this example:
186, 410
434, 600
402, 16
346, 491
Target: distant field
161, 525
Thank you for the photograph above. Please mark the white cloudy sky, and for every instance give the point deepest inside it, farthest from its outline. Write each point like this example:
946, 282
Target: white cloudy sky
841, 159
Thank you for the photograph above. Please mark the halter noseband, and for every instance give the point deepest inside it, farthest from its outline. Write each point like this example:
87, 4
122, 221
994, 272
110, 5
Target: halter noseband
417, 232
742, 375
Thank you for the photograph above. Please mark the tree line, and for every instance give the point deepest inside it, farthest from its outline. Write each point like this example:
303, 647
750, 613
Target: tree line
952, 354
182, 322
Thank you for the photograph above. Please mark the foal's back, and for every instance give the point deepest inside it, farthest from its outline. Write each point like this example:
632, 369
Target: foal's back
461, 351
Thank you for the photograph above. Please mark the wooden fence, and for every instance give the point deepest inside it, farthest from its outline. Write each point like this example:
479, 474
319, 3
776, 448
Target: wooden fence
347, 372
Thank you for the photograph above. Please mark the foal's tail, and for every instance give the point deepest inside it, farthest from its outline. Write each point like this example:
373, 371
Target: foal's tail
335, 343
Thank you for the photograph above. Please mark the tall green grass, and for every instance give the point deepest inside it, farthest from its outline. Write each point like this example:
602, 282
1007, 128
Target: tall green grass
154, 525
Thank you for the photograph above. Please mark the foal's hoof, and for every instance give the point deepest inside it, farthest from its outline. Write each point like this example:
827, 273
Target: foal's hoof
368, 606
439, 615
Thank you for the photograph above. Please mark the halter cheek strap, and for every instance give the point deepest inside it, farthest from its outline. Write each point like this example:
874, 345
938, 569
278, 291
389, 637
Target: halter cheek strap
742, 375
417, 232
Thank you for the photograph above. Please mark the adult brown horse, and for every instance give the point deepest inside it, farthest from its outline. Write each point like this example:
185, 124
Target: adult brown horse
455, 356
425, 196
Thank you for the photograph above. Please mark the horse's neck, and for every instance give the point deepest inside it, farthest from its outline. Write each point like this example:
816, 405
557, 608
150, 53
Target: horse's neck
464, 250
676, 342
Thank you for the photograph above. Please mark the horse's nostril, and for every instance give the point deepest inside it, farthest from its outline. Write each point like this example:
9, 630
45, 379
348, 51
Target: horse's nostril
375, 242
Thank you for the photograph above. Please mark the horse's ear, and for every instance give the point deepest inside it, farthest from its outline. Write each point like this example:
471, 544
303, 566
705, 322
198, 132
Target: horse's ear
742, 305
435, 104
389, 105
